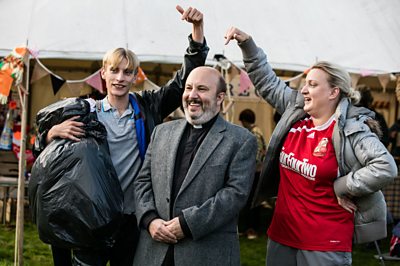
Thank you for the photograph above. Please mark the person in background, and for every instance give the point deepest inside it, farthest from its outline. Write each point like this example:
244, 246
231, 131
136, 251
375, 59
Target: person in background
129, 119
394, 138
366, 101
196, 177
324, 162
251, 216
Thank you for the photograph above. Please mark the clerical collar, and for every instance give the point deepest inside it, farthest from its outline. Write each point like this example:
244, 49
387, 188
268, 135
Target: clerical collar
207, 124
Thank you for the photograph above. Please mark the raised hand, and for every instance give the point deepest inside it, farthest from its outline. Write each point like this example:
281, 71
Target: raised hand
194, 16
235, 34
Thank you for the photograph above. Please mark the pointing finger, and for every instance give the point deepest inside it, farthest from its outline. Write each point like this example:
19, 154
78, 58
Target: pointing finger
180, 9
186, 13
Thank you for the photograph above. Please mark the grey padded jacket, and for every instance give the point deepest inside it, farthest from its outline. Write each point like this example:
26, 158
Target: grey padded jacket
365, 165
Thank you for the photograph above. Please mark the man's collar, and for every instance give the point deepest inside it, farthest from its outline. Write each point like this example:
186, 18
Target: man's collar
208, 124
106, 106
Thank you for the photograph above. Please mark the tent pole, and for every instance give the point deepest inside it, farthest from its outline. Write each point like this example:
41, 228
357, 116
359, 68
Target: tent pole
19, 227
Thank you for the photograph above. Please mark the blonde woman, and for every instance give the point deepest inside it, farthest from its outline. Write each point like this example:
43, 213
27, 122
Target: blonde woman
324, 162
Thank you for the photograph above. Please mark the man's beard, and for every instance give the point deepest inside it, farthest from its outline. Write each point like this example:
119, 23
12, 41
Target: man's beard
204, 117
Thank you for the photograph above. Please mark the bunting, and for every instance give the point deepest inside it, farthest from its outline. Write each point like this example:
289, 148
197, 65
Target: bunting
56, 83
355, 77
365, 73
149, 85
140, 77
244, 83
145, 85
11, 69
96, 81
295, 82
384, 80
34, 53
75, 87
38, 73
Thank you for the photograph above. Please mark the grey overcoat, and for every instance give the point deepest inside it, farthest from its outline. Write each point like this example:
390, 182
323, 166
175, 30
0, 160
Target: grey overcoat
215, 188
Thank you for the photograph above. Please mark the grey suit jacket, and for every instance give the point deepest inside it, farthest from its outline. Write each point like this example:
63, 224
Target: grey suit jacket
215, 188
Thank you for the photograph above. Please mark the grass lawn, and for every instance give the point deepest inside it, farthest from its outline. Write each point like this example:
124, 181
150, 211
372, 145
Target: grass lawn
35, 251
252, 251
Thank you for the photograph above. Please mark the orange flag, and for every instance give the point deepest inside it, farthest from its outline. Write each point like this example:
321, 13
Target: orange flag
140, 77
5, 85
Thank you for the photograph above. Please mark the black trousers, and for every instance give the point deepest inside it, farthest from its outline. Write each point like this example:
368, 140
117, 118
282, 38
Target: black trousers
121, 254
169, 259
250, 217
61, 256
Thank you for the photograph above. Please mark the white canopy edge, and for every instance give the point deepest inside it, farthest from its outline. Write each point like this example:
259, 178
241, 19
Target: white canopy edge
360, 35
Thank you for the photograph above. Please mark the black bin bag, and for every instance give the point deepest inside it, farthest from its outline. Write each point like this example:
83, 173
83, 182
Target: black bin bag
74, 192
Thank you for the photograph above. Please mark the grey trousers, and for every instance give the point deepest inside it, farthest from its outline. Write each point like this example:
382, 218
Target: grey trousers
278, 255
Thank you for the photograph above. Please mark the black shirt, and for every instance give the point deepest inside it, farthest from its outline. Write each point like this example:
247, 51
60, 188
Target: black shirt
188, 146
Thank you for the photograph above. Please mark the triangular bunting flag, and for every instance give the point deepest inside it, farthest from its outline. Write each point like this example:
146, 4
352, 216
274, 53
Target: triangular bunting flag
140, 77
384, 80
34, 53
38, 73
56, 83
355, 77
148, 85
145, 86
96, 82
295, 82
365, 73
75, 88
245, 83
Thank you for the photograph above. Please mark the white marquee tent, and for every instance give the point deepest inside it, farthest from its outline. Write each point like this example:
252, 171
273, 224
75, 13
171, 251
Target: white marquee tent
361, 35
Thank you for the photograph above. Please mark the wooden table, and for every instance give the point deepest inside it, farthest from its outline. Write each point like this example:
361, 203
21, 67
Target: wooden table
6, 183
8, 177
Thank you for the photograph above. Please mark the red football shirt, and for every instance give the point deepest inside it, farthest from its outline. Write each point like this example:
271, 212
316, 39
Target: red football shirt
307, 215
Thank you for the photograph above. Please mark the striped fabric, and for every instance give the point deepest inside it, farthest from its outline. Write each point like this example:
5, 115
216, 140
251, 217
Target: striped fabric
392, 197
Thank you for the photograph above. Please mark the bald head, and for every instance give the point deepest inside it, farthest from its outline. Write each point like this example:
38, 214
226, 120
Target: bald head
213, 76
